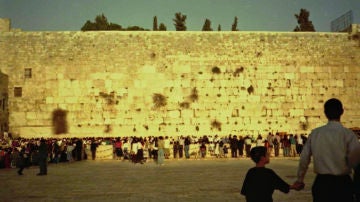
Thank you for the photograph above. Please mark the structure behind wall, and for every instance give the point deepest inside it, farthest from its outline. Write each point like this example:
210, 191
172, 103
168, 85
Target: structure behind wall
5, 25
177, 83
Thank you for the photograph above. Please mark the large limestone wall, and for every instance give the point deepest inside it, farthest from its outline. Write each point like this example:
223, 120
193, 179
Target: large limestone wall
268, 81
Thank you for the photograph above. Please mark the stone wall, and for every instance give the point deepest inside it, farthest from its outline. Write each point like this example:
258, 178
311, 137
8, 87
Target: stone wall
103, 83
4, 115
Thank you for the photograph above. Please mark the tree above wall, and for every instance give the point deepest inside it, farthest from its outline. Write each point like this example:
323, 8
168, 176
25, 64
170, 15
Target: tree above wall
101, 24
305, 25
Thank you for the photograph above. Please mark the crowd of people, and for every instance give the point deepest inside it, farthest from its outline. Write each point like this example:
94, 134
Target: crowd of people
141, 149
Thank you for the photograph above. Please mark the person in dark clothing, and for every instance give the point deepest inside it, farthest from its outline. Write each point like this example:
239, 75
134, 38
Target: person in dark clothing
21, 161
260, 182
42, 157
233, 146
187, 143
78, 149
240, 147
356, 178
93, 147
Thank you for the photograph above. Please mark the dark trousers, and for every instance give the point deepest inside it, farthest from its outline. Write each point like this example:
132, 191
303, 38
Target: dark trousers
241, 150
247, 149
332, 188
181, 147
21, 168
93, 154
357, 183
233, 152
43, 165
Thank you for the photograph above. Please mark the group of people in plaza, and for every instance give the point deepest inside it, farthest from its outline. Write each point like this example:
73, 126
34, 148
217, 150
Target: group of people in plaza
334, 149
141, 149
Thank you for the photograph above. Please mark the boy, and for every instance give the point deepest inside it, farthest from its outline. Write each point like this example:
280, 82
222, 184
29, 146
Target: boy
260, 182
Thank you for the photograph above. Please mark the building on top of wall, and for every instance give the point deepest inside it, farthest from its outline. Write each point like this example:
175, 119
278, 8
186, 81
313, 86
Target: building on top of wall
113, 83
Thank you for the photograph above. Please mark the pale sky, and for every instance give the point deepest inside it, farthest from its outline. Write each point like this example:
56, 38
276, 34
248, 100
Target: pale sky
253, 15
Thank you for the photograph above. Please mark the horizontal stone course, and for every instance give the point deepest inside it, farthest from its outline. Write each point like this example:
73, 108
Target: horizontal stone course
268, 81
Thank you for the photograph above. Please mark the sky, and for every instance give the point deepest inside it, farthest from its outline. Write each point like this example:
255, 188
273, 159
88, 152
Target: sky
253, 15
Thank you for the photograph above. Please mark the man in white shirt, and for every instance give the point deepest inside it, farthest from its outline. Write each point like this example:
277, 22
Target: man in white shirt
335, 151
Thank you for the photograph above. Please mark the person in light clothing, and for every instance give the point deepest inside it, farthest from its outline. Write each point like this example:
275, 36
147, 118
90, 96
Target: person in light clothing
335, 151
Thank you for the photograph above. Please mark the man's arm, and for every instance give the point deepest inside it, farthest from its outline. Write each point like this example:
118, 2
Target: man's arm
305, 159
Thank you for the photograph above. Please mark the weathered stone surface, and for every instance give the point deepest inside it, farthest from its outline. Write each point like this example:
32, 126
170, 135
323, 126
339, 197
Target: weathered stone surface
107, 79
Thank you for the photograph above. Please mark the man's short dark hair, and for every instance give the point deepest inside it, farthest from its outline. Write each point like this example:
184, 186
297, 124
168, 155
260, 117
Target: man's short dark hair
257, 152
333, 109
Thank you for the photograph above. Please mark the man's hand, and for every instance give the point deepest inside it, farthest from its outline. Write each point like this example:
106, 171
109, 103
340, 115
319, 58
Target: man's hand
297, 186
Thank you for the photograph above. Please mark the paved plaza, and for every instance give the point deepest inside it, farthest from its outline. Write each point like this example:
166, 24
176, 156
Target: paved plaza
116, 180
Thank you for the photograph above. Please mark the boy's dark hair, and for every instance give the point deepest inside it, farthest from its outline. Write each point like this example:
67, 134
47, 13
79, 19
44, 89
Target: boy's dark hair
257, 152
333, 109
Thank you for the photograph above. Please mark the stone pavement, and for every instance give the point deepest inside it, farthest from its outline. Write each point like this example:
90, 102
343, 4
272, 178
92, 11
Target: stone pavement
115, 180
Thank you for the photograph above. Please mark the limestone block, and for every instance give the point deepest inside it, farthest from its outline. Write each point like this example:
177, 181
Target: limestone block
307, 69
18, 118
30, 115
49, 100
72, 100
60, 76
296, 112
173, 113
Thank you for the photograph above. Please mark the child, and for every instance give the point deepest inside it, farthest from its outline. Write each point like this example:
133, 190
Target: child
260, 182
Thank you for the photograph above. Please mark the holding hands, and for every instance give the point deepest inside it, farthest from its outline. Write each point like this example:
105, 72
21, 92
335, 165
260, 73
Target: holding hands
297, 186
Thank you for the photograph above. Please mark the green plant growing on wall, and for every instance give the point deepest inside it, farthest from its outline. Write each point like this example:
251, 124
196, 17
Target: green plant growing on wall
250, 89
216, 70
107, 128
146, 127
159, 100
185, 105
238, 71
194, 95
109, 98
216, 124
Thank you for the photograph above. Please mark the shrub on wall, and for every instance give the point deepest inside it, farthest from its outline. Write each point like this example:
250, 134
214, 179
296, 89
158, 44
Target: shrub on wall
194, 95
216, 70
238, 71
250, 90
159, 100
185, 105
109, 98
216, 124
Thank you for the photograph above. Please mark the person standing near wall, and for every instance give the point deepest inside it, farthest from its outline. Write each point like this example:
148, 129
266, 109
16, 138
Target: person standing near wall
335, 151
187, 143
161, 146
248, 143
43, 157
